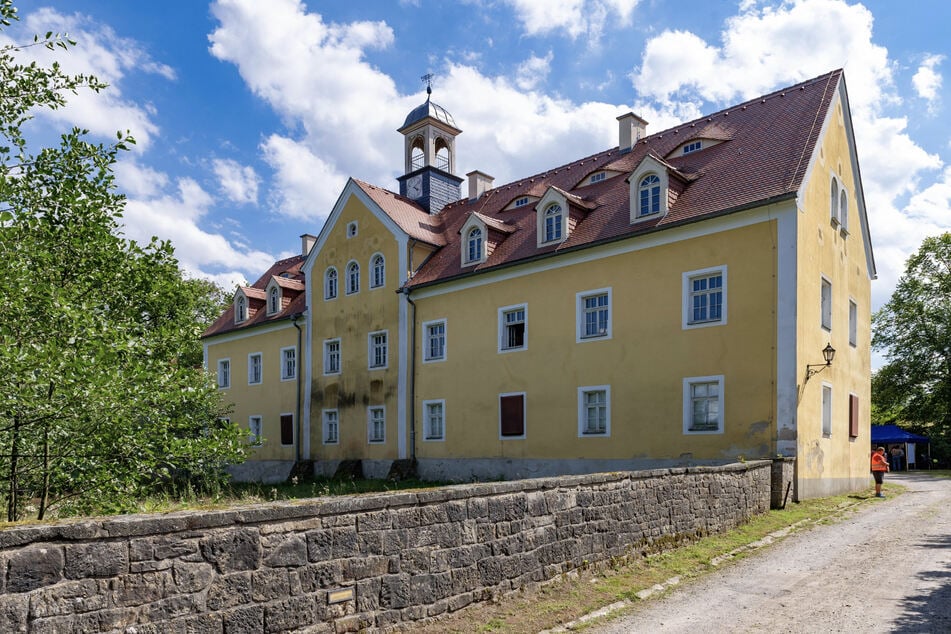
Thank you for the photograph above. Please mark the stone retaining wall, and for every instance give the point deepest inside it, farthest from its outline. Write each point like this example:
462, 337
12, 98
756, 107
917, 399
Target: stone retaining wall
377, 562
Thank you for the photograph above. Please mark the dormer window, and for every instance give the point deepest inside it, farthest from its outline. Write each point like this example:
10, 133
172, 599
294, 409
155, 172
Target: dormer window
597, 177
648, 195
240, 309
693, 146
330, 283
273, 300
554, 223
352, 229
474, 246
521, 202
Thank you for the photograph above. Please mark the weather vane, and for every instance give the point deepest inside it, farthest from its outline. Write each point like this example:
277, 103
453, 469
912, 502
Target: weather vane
428, 80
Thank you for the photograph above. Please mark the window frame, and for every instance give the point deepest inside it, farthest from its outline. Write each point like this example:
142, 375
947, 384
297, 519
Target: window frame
293, 428
377, 270
327, 343
284, 375
597, 177
687, 279
521, 201
467, 257
427, 404
331, 283
853, 322
825, 303
692, 146
352, 281
352, 229
372, 350
524, 433
834, 199
688, 398
583, 411
274, 300
825, 407
240, 309
843, 209
371, 438
427, 339
325, 437
580, 312
654, 189
256, 438
226, 363
554, 229
260, 374
503, 328
853, 415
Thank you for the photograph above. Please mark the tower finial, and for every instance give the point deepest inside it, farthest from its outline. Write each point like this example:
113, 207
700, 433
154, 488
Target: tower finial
428, 80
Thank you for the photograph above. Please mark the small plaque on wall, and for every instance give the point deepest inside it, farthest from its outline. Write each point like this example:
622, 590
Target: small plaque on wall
340, 595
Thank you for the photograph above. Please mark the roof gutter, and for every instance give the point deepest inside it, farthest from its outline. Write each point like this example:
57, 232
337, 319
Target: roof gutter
297, 400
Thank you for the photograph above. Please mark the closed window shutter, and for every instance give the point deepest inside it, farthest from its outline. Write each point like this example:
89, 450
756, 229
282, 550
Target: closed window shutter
287, 429
853, 415
513, 415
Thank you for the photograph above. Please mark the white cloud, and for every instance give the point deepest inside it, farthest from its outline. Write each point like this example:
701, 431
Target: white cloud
238, 182
306, 186
927, 80
533, 71
574, 18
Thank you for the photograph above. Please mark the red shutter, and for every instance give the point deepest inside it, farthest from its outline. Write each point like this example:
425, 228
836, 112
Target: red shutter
512, 410
287, 429
853, 415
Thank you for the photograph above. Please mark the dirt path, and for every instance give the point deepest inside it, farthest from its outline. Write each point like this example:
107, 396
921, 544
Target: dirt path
885, 569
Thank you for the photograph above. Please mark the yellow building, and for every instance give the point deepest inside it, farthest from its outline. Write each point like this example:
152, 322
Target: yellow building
668, 301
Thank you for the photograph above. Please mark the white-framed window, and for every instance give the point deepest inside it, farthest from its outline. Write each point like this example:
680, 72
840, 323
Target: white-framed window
287, 429
834, 200
512, 416
273, 301
853, 323
255, 368
521, 201
255, 430
704, 297
594, 411
377, 271
330, 283
376, 424
353, 278
826, 409
703, 405
377, 350
594, 314
240, 309
554, 221
352, 229
434, 420
331, 423
825, 307
648, 195
224, 373
693, 146
474, 245
434, 341
288, 363
513, 328
844, 210
331, 356
597, 177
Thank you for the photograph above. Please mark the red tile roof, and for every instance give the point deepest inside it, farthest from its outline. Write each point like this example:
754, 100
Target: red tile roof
764, 151
411, 218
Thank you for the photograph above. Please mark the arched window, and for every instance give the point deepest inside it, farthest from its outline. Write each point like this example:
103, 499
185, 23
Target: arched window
474, 245
553, 223
416, 155
442, 155
240, 309
844, 209
330, 283
353, 278
273, 301
834, 200
648, 193
378, 271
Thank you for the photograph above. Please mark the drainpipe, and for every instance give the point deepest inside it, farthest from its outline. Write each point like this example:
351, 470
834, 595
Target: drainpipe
300, 367
412, 379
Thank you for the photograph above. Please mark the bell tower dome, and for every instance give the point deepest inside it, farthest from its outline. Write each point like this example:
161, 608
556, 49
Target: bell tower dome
429, 153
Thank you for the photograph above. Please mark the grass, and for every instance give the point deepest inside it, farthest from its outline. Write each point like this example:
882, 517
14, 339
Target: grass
580, 593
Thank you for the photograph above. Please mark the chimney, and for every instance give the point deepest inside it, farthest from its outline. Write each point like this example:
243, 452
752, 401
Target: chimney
631, 129
479, 183
307, 243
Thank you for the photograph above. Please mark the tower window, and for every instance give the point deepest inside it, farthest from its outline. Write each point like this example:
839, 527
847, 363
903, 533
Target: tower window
442, 156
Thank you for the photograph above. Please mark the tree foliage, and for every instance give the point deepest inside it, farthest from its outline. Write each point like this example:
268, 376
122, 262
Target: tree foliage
103, 398
914, 331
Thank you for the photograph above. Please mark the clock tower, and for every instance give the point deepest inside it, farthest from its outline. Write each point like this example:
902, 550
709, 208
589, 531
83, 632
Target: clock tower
429, 151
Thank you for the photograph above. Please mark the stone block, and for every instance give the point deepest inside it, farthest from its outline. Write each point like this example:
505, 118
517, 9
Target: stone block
232, 550
173, 547
372, 566
345, 542
96, 559
14, 612
269, 584
320, 576
71, 597
395, 591
229, 591
243, 620
374, 521
174, 607
34, 567
294, 613
368, 595
291, 551
140, 589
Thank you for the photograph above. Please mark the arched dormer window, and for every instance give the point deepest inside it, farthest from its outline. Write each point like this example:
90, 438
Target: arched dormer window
834, 200
240, 309
273, 300
353, 278
648, 196
474, 245
554, 223
417, 154
844, 210
330, 283
377, 271
443, 158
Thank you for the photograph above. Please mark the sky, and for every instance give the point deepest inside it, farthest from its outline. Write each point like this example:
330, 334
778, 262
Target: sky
250, 115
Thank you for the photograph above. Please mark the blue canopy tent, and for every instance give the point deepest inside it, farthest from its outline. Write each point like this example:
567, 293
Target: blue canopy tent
884, 435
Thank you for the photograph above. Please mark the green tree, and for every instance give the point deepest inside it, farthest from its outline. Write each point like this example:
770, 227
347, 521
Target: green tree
914, 331
102, 397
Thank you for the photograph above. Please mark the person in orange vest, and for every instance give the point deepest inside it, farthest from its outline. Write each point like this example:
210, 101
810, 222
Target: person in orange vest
879, 467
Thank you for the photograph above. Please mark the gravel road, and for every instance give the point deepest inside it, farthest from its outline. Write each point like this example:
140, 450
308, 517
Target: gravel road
887, 568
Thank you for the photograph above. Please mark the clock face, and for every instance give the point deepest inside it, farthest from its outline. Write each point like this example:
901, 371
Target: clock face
414, 186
